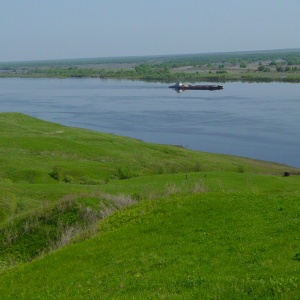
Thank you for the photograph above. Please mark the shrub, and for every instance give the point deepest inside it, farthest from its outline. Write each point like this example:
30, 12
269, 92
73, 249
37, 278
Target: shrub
57, 173
241, 169
125, 173
68, 179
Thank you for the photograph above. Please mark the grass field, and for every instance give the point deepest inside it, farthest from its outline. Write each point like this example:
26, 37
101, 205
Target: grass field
86, 215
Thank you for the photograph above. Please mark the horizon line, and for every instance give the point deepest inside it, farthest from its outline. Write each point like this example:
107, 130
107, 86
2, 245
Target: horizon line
150, 56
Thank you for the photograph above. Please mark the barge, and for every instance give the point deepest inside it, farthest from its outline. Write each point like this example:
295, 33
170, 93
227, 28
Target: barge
183, 87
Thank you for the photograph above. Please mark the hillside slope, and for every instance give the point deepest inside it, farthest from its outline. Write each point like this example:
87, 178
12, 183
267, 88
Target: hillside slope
31, 149
196, 224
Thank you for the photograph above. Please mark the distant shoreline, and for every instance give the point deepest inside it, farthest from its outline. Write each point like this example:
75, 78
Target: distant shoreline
270, 66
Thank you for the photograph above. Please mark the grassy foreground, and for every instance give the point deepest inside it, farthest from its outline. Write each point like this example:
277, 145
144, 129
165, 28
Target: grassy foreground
86, 215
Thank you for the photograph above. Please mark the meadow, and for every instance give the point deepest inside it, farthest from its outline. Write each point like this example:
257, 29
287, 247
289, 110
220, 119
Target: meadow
88, 215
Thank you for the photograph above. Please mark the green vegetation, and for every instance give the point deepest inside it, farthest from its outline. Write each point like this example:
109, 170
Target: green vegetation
258, 66
86, 215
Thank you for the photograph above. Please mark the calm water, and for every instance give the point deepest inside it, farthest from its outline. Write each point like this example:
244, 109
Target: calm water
254, 120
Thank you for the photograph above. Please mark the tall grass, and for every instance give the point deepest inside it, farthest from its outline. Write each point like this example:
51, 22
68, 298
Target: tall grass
27, 236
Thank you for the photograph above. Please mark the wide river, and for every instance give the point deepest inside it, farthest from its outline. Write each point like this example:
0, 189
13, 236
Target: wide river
256, 120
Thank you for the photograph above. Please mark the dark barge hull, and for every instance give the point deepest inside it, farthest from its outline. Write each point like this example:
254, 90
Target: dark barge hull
197, 87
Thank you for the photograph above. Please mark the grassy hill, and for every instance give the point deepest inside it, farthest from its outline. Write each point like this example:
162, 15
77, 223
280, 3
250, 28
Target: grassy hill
87, 215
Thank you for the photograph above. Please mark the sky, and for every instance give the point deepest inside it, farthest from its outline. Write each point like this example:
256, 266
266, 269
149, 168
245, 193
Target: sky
65, 29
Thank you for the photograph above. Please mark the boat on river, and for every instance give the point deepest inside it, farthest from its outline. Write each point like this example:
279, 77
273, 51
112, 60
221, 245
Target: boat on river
183, 87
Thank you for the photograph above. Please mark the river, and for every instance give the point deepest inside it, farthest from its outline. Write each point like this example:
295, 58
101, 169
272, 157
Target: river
255, 120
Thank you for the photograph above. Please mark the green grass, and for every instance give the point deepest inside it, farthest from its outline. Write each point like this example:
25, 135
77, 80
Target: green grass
87, 215
31, 149
207, 246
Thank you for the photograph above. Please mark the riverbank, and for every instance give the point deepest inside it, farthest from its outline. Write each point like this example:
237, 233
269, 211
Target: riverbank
190, 74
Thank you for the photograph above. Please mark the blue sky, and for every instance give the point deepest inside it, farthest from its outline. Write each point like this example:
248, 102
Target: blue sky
52, 29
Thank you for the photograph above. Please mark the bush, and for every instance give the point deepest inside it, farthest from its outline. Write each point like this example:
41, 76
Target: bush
57, 173
241, 169
125, 173
68, 179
